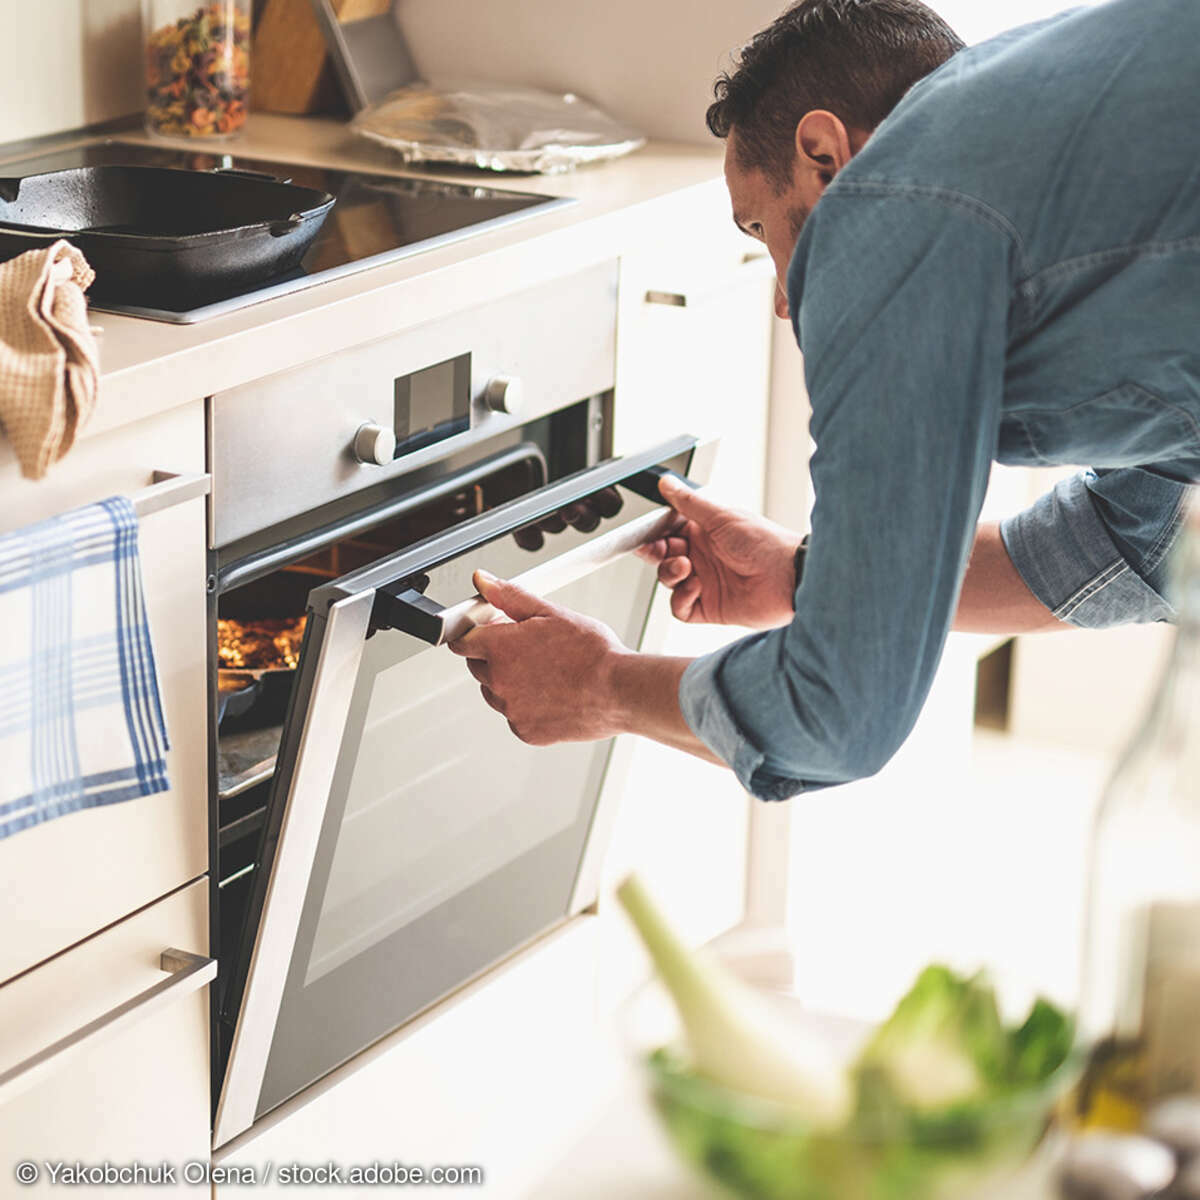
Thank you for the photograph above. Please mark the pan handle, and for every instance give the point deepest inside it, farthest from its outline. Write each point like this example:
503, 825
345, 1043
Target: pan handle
35, 233
249, 174
287, 225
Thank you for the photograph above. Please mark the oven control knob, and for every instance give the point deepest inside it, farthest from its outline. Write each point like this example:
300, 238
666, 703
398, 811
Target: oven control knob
503, 394
374, 444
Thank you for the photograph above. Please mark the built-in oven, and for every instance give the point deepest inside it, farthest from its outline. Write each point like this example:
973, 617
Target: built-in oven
381, 836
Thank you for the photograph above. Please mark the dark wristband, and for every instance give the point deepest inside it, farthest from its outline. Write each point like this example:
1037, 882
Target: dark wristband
798, 560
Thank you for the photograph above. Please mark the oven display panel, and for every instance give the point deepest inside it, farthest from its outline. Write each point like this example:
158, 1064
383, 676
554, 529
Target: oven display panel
432, 404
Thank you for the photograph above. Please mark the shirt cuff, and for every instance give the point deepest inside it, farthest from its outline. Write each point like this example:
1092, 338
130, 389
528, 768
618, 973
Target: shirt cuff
1063, 551
707, 712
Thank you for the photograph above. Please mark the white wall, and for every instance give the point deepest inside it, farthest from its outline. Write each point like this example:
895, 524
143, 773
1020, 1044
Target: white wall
651, 62
67, 63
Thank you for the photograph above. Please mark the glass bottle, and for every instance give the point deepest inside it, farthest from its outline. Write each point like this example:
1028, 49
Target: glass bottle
1140, 1004
197, 67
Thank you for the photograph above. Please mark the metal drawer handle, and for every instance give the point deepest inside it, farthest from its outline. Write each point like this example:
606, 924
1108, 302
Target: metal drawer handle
188, 973
751, 265
168, 490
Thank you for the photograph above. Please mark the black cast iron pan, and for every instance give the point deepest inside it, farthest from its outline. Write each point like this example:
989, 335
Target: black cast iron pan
154, 234
253, 699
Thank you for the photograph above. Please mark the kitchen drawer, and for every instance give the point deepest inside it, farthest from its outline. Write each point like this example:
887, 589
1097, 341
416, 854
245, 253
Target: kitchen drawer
64, 880
109, 464
119, 1048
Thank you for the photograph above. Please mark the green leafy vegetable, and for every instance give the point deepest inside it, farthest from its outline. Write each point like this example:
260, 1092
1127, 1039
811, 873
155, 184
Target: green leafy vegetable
942, 1097
1041, 1045
946, 1045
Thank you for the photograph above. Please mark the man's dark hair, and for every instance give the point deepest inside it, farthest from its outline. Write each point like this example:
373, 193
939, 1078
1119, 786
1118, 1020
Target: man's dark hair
854, 58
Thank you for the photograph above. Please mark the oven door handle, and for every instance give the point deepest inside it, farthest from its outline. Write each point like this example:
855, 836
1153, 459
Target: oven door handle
411, 612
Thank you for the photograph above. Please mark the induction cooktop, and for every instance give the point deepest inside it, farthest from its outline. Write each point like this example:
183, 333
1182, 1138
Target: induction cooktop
375, 219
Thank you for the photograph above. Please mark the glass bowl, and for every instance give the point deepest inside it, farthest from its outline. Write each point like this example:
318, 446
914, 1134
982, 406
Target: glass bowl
748, 1147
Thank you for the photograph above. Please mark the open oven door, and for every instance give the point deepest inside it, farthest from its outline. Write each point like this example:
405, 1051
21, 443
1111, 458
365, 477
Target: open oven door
412, 841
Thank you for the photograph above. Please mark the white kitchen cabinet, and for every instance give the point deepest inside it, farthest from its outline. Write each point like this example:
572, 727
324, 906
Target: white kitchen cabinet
131, 1086
67, 878
694, 344
114, 463
693, 354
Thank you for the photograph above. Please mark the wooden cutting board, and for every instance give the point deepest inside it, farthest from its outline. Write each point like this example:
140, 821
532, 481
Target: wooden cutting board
290, 69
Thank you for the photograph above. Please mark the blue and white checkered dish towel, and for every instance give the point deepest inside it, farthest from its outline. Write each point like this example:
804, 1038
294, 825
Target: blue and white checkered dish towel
80, 719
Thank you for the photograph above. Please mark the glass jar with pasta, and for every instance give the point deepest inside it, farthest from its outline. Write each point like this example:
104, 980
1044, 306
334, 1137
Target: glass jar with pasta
197, 67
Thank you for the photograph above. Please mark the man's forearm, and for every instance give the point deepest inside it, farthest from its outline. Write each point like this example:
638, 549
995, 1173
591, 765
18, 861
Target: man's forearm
645, 695
644, 688
994, 597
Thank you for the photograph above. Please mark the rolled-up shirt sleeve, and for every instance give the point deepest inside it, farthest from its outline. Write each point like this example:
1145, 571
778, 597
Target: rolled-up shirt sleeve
1094, 549
900, 299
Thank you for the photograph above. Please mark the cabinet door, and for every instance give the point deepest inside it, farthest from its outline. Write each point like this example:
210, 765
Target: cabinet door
693, 353
64, 880
104, 1055
694, 343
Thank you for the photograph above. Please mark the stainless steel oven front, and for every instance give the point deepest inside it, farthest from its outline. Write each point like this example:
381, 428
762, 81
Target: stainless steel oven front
382, 838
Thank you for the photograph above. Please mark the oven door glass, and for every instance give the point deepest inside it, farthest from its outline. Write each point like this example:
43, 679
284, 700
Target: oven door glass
413, 841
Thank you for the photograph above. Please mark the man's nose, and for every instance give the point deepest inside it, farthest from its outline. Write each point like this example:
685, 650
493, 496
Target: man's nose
781, 304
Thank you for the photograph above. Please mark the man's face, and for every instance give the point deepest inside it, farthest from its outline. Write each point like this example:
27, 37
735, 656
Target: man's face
824, 144
770, 216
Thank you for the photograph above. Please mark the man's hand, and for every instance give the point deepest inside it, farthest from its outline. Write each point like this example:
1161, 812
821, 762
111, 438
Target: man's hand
724, 566
561, 677
584, 515
548, 670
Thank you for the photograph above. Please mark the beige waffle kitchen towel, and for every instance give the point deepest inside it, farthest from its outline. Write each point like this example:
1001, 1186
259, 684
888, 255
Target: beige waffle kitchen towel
49, 364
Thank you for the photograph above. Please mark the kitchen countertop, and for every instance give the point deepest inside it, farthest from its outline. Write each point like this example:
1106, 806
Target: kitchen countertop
623, 1152
150, 366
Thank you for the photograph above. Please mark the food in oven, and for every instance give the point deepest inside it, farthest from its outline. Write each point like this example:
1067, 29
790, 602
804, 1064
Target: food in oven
264, 644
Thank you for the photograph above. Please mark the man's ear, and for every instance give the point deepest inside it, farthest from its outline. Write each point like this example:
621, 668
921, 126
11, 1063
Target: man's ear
823, 143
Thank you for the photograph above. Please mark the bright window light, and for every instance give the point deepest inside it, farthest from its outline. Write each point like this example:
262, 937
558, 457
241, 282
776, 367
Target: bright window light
974, 20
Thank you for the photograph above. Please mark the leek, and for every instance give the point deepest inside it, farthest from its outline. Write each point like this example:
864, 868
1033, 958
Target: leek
736, 1039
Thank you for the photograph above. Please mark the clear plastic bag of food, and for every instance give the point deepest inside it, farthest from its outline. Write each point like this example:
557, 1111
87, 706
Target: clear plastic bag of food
496, 127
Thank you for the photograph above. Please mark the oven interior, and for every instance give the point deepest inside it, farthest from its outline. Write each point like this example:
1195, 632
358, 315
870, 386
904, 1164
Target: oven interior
257, 621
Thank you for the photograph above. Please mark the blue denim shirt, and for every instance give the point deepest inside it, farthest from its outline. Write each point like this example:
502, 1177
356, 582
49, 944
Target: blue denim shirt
1008, 270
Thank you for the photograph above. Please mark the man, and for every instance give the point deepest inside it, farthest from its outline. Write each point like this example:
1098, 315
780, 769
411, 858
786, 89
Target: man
1000, 262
